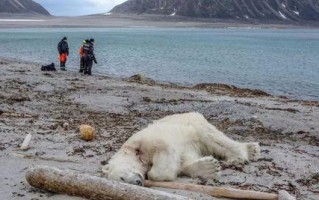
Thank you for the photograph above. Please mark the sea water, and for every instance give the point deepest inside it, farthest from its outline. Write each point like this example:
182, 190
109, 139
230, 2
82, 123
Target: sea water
281, 62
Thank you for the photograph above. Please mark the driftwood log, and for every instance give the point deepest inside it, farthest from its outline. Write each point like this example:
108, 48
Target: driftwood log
91, 187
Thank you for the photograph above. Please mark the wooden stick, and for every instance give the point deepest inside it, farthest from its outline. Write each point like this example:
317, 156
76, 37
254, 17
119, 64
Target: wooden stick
214, 191
26, 142
11, 114
91, 187
30, 156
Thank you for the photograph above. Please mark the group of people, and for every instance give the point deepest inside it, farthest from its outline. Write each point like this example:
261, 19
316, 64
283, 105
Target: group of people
86, 52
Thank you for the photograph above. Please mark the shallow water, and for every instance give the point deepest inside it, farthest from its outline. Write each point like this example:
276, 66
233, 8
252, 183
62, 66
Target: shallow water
281, 62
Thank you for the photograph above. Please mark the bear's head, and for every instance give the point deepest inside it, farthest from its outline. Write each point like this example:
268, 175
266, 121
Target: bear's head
124, 174
125, 166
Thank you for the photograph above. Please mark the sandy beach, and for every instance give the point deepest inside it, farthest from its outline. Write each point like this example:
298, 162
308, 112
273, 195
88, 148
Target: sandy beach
39, 103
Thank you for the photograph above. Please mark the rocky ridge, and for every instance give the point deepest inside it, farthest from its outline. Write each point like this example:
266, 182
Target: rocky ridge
283, 10
22, 7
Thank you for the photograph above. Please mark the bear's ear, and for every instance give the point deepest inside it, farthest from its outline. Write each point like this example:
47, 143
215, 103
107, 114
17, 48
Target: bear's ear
106, 169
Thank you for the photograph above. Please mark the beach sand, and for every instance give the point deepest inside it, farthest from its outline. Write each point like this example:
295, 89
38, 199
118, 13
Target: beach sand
39, 103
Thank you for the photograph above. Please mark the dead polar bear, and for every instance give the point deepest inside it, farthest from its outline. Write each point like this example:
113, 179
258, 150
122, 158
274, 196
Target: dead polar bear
180, 144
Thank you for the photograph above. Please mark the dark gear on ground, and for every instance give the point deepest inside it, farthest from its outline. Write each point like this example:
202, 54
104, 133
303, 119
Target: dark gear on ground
50, 67
89, 57
63, 49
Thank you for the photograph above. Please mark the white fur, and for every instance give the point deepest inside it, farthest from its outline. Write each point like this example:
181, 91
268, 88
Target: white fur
178, 144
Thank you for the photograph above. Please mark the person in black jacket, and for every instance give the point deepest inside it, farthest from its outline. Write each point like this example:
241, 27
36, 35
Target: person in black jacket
63, 49
89, 57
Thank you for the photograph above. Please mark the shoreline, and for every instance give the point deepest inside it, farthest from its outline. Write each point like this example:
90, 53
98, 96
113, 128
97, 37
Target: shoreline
146, 20
211, 87
39, 103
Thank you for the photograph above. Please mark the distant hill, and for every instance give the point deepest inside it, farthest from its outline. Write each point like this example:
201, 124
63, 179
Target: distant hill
289, 10
22, 7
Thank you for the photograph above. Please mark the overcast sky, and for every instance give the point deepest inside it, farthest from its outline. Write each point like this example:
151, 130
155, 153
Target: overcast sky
78, 7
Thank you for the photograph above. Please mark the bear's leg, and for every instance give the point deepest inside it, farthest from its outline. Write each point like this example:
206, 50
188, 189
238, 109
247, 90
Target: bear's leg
218, 144
166, 166
206, 167
243, 153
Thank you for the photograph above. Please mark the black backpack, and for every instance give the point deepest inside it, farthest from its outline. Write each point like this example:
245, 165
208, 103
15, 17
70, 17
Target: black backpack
50, 67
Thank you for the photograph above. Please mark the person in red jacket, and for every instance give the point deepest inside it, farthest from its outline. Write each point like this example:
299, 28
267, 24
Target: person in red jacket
63, 49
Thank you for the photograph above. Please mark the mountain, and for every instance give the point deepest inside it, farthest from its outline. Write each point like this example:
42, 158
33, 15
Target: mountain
22, 7
289, 10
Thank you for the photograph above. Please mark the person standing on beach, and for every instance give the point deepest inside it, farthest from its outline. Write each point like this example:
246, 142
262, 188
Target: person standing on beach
82, 60
63, 48
89, 57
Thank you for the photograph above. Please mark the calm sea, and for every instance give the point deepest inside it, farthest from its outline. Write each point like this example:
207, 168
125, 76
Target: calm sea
281, 62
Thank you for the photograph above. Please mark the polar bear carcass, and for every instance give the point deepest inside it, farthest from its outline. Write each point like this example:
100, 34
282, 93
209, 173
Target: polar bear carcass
180, 144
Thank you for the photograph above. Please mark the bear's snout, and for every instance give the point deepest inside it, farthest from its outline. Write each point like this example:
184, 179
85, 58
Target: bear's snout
137, 179
138, 182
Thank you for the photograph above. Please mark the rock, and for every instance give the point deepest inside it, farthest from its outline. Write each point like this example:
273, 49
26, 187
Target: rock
66, 126
147, 99
139, 78
231, 90
19, 98
283, 195
87, 132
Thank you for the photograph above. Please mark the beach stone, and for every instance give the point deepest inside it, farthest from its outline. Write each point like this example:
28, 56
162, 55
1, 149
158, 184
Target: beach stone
66, 126
140, 78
